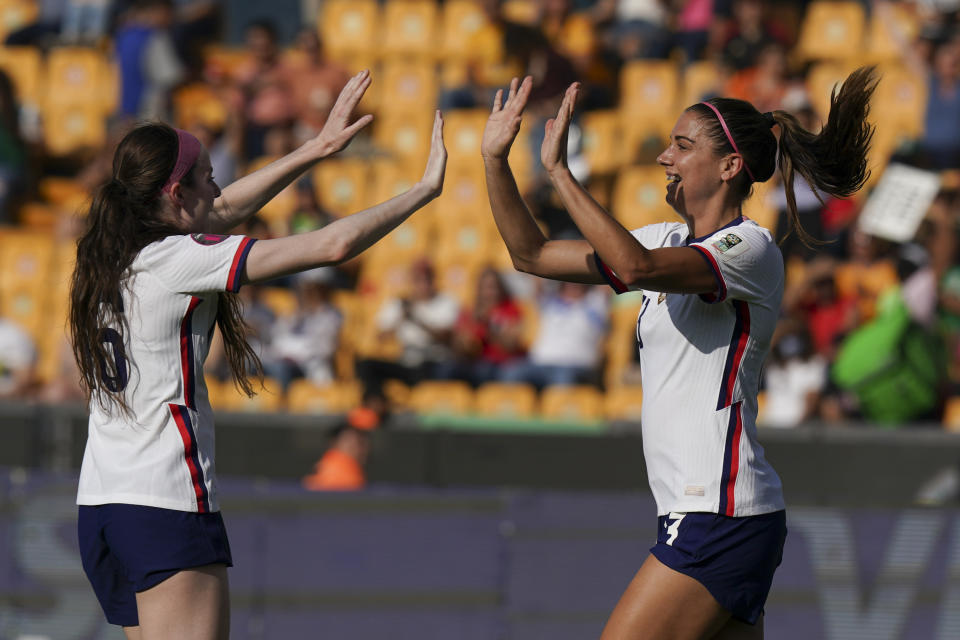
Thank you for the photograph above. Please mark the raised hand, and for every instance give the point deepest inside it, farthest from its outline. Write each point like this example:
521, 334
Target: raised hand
553, 151
504, 122
337, 131
437, 162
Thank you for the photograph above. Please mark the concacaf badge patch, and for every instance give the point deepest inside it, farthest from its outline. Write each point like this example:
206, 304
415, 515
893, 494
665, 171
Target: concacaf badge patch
730, 245
207, 238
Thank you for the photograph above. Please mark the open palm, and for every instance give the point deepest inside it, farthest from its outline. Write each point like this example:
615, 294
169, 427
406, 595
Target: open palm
337, 131
503, 125
553, 151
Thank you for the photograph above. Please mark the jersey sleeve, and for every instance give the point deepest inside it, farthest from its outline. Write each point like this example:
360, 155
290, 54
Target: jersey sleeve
198, 262
745, 262
651, 236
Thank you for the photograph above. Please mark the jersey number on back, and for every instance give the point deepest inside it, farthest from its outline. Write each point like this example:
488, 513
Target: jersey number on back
114, 377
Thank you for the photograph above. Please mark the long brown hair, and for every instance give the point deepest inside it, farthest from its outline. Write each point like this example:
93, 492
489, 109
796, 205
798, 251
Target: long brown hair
124, 217
833, 161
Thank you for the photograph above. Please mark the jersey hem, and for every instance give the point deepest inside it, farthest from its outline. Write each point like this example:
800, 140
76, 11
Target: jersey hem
93, 500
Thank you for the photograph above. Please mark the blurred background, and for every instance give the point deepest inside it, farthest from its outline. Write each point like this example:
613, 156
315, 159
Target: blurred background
444, 447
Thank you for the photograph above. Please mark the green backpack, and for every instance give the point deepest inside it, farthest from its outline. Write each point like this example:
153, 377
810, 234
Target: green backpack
894, 366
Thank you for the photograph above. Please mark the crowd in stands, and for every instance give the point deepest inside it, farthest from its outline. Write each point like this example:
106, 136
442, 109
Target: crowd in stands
437, 305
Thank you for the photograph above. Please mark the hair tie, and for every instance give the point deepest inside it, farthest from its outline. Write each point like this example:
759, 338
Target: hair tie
188, 150
730, 139
769, 119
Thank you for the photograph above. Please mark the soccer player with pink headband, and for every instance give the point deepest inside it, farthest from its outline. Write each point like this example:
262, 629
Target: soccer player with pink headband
152, 278
712, 287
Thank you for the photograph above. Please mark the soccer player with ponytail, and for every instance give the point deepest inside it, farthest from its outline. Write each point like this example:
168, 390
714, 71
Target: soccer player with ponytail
152, 278
712, 287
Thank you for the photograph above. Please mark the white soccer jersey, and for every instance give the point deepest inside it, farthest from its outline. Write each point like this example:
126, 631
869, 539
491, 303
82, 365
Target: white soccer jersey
162, 456
700, 359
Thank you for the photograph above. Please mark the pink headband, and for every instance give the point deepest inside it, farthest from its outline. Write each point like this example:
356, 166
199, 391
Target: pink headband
187, 153
730, 138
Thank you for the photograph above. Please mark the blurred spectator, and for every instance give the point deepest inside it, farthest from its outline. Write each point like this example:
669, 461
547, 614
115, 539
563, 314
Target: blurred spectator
638, 28
694, 22
868, 273
937, 59
768, 84
750, 32
307, 214
828, 315
794, 377
18, 361
489, 335
315, 82
222, 142
149, 66
423, 324
303, 345
85, 21
568, 348
13, 152
264, 84
342, 467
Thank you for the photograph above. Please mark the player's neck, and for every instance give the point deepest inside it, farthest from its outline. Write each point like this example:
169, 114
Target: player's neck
711, 219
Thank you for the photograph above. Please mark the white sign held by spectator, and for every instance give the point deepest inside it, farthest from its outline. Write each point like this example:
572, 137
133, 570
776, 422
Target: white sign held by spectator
899, 202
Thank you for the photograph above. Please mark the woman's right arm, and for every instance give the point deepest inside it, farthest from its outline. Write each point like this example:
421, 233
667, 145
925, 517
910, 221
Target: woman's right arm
347, 237
531, 251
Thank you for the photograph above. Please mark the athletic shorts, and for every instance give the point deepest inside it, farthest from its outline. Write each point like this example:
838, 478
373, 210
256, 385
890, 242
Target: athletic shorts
129, 548
734, 558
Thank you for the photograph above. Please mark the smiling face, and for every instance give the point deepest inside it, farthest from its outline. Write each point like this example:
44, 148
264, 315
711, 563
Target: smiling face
694, 170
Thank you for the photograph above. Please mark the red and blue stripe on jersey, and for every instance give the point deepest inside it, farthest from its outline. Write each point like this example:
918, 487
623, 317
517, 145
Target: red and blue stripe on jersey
191, 455
731, 461
236, 269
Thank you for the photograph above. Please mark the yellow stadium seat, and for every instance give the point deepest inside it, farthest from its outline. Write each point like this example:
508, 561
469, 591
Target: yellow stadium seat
24, 65
639, 197
648, 98
26, 260
951, 414
411, 86
701, 79
522, 11
464, 238
71, 128
900, 102
304, 396
506, 400
77, 76
457, 276
68, 193
224, 60
282, 301
350, 28
461, 20
269, 398
405, 244
442, 396
573, 402
603, 141
29, 308
623, 403
380, 279
410, 28
16, 14
882, 45
464, 197
759, 208
831, 31
38, 216
198, 104
463, 131
278, 210
342, 185
391, 177
822, 78
405, 136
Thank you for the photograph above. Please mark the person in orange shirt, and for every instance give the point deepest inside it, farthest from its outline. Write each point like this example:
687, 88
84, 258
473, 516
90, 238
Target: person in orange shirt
342, 467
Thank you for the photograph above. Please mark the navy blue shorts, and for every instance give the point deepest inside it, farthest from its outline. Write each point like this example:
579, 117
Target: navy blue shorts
127, 548
734, 558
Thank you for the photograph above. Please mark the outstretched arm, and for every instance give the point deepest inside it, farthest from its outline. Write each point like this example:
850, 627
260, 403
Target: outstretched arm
530, 250
348, 237
671, 269
246, 196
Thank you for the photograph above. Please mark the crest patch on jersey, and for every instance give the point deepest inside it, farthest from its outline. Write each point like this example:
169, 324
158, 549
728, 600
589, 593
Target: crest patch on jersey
730, 245
207, 238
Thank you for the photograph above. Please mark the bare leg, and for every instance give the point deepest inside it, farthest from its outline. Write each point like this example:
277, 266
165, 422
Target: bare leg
133, 633
193, 604
662, 604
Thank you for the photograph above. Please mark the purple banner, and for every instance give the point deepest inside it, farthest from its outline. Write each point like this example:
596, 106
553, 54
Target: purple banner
478, 565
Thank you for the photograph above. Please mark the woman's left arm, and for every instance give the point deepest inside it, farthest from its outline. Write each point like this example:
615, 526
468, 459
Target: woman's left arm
668, 269
246, 196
